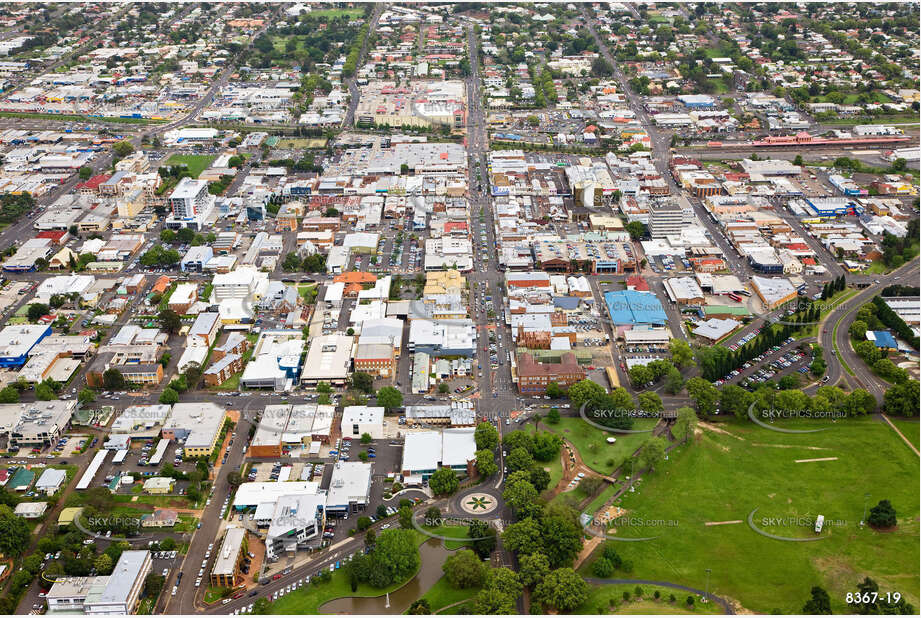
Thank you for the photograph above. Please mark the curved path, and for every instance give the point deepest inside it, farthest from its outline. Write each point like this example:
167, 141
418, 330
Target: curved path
727, 608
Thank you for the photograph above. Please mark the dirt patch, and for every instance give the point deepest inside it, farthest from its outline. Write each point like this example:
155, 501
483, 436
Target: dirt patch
719, 430
808, 448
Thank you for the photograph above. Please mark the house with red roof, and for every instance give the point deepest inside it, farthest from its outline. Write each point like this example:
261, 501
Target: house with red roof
91, 186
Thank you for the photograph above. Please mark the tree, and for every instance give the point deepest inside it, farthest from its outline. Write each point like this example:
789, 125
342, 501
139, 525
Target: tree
492, 602
484, 537
405, 515
169, 396
43, 392
486, 436
533, 568
103, 564
682, 355
522, 537
899, 400
419, 607
674, 381
798, 160
14, 532
185, 235
882, 515
443, 388
685, 424
561, 535
9, 394
366, 438
361, 381
735, 400
504, 580
519, 459
389, 398
650, 402
169, 321
858, 331
443, 482
113, 380
554, 390
562, 589
539, 478
486, 464
640, 376
819, 603
636, 230
520, 495
394, 558
291, 263
122, 149
553, 416
36, 311
464, 569
652, 453
167, 236
585, 391
86, 173
704, 395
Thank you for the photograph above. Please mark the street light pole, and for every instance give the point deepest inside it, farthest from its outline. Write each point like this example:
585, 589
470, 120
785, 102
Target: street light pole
866, 497
707, 593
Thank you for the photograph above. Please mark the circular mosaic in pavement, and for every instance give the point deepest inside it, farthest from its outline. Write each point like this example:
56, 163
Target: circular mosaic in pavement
478, 503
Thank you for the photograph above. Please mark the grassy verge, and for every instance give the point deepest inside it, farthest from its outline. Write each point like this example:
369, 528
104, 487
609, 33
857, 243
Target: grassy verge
723, 476
443, 594
592, 445
196, 164
610, 599
829, 304
603, 497
78, 118
909, 428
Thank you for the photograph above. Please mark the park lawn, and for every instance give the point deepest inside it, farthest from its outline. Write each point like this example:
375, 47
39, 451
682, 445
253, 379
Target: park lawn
609, 599
598, 502
196, 164
443, 594
451, 532
910, 428
307, 600
878, 267
334, 13
464, 608
592, 445
722, 477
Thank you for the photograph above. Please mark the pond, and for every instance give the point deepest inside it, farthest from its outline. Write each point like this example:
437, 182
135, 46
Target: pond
433, 555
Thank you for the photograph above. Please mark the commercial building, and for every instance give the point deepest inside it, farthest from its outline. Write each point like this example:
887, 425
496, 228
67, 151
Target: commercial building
51, 480
376, 359
294, 512
158, 485
773, 291
631, 308
360, 420
453, 414
190, 203
684, 291
115, 594
18, 340
276, 360
196, 426
666, 219
329, 360
533, 376
349, 488
38, 424
426, 451
226, 570
288, 426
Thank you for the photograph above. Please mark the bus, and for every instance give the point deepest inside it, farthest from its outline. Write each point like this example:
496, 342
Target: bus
735, 297
611, 372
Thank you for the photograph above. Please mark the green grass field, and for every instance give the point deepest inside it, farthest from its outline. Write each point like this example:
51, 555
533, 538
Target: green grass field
443, 594
910, 428
195, 163
724, 476
592, 442
609, 599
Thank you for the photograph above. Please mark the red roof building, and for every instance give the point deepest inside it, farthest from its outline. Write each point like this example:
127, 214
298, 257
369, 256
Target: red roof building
58, 237
92, 185
635, 282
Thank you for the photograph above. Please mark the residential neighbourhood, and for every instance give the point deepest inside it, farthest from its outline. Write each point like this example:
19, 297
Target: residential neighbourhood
376, 308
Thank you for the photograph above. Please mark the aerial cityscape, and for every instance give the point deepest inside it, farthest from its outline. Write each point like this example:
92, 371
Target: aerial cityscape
460, 308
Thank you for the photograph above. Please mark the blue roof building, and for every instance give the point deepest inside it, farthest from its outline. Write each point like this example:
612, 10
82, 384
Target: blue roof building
630, 307
883, 339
